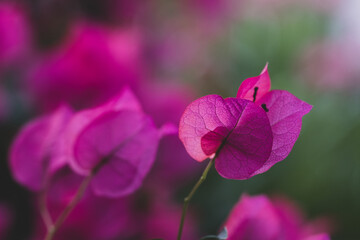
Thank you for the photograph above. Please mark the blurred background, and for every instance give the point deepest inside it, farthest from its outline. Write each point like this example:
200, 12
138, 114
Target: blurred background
171, 52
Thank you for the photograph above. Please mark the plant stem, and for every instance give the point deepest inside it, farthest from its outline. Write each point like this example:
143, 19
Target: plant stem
44, 210
65, 213
191, 194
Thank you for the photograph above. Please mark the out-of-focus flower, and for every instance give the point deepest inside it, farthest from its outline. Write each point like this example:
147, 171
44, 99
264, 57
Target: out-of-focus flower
162, 222
93, 218
115, 142
14, 34
91, 66
259, 217
165, 102
332, 63
38, 150
249, 133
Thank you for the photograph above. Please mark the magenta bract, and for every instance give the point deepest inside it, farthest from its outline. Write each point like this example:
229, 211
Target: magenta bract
237, 129
14, 34
37, 151
89, 68
284, 110
258, 217
249, 133
117, 142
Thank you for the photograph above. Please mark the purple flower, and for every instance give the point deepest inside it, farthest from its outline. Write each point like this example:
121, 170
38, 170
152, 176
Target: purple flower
165, 103
249, 133
38, 150
259, 217
116, 142
163, 222
93, 218
284, 110
14, 34
90, 67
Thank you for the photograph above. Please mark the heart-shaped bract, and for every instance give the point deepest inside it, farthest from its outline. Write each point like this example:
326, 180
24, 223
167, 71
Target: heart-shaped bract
248, 134
237, 129
284, 110
115, 142
37, 151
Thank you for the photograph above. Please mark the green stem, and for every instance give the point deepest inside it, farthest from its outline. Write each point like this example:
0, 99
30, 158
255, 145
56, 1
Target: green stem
191, 194
65, 213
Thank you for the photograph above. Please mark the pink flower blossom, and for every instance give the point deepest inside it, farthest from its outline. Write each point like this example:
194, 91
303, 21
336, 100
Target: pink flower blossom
249, 133
93, 218
259, 217
92, 65
284, 110
14, 34
116, 142
37, 151
165, 103
163, 222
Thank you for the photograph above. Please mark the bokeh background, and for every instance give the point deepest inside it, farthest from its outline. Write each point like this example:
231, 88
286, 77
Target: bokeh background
173, 51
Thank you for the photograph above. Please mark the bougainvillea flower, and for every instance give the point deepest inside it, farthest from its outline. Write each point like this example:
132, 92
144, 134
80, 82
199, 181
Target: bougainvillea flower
92, 65
284, 110
259, 217
165, 102
37, 151
116, 142
237, 129
249, 133
14, 34
93, 218
162, 222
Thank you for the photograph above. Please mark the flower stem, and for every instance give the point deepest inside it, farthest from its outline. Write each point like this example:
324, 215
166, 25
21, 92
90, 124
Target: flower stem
44, 210
65, 213
191, 194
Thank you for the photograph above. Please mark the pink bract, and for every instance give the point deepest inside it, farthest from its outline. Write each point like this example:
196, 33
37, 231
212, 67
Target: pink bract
249, 133
284, 110
258, 217
165, 102
93, 218
37, 151
14, 34
237, 129
91, 66
116, 142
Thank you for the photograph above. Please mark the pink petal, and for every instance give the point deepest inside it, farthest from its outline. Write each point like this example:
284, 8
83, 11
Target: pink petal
129, 152
321, 236
285, 116
253, 218
201, 117
120, 142
36, 152
248, 146
125, 100
238, 126
261, 82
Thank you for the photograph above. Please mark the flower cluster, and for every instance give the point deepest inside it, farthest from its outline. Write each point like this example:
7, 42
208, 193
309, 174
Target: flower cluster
109, 145
249, 133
